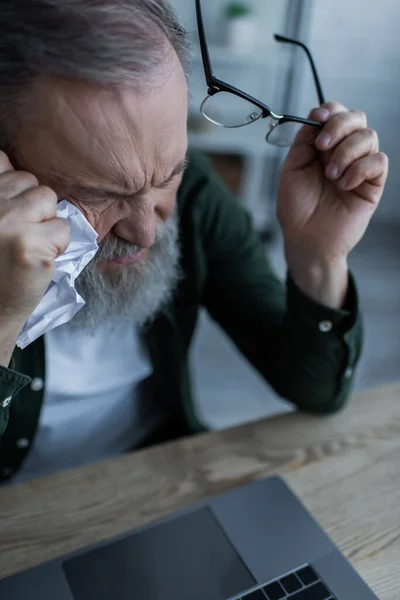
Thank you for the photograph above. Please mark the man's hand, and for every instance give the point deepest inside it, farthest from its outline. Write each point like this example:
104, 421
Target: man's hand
329, 189
31, 238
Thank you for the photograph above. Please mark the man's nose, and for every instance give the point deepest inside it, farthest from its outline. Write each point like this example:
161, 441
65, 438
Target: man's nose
139, 227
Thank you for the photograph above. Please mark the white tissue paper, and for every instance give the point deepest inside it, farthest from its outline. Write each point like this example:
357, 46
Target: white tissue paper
61, 301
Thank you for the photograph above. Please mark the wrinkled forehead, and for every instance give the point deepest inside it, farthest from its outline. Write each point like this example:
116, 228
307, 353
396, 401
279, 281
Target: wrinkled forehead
97, 133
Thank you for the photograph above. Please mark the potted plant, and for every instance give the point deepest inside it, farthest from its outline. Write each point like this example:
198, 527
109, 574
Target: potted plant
241, 24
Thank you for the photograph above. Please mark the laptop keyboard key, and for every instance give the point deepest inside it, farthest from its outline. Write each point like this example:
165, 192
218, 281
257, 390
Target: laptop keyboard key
316, 592
274, 591
257, 595
307, 575
291, 583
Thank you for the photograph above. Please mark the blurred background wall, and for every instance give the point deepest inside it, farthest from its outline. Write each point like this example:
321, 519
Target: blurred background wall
356, 49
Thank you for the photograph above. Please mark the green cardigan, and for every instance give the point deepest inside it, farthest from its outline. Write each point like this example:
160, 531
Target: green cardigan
305, 351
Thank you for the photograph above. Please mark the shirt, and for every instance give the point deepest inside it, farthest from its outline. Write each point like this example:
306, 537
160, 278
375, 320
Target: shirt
305, 351
91, 412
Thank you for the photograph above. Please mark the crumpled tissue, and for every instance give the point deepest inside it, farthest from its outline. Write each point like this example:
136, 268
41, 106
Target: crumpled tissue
61, 301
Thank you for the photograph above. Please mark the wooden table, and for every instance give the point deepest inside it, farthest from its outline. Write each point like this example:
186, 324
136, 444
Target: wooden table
345, 468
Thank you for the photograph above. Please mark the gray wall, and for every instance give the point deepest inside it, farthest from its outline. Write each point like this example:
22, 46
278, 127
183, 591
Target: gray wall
269, 12
358, 55
357, 50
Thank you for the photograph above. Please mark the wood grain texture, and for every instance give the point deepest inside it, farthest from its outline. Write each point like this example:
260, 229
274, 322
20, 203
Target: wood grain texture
345, 468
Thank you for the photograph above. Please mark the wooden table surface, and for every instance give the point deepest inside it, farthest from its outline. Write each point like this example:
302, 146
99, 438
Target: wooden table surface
345, 468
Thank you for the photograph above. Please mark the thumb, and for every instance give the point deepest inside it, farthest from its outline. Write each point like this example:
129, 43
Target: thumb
54, 238
303, 150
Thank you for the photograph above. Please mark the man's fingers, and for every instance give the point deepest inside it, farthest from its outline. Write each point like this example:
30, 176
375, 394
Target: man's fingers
5, 165
357, 145
21, 194
36, 205
41, 244
370, 169
326, 111
13, 183
340, 126
338, 122
57, 234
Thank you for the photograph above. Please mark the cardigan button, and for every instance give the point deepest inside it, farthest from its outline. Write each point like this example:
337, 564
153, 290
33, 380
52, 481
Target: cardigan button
325, 326
37, 384
22, 443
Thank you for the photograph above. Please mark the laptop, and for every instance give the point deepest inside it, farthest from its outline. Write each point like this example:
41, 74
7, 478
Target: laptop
256, 542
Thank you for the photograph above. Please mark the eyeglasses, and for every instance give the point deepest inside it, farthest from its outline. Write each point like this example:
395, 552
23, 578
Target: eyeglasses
227, 106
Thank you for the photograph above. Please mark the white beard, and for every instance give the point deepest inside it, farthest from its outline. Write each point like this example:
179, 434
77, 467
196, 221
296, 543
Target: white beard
135, 292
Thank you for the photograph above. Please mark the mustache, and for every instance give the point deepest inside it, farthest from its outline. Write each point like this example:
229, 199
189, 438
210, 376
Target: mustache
112, 247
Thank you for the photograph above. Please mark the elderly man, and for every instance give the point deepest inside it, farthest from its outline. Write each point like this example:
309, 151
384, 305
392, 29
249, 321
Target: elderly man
93, 109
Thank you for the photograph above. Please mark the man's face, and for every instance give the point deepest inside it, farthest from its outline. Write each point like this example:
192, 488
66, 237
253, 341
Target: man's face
119, 157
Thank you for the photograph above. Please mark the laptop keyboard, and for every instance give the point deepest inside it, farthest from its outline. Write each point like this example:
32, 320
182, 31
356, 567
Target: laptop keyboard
303, 584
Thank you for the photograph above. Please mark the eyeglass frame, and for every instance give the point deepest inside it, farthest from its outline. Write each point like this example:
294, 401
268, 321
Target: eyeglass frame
216, 85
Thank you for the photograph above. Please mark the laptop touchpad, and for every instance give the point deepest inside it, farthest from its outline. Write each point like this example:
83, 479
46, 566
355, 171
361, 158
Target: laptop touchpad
187, 557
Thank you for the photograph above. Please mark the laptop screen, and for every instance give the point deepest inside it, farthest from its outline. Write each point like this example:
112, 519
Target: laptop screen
186, 557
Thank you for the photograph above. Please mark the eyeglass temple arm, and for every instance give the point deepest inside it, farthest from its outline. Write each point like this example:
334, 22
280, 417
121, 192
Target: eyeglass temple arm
286, 40
203, 46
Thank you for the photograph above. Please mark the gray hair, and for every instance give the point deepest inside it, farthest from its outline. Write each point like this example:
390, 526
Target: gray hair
105, 42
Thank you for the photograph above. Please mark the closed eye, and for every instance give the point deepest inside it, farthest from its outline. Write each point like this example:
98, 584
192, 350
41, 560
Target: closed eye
84, 194
167, 183
94, 199
181, 168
